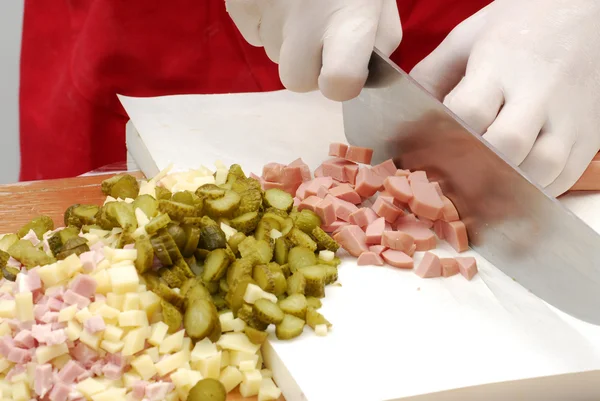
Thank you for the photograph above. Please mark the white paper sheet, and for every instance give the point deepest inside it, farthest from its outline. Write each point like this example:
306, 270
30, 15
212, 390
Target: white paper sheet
394, 335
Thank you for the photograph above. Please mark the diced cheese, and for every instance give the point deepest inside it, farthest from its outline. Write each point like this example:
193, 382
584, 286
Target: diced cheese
103, 265
103, 280
149, 302
172, 343
224, 359
45, 353
321, 330
83, 315
71, 264
120, 255
237, 357
73, 330
144, 366
170, 363
108, 312
115, 300
59, 361
158, 333
327, 256
203, 349
20, 392
153, 353
111, 346
229, 231
68, 313
24, 306
5, 328
134, 341
113, 333
237, 342
5, 364
210, 366
266, 373
91, 340
131, 301
268, 391
133, 318
247, 365
274, 234
250, 383
8, 308
124, 279
237, 325
130, 378
110, 394
254, 292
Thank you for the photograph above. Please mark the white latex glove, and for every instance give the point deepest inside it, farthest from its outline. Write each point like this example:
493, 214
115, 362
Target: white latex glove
324, 44
526, 75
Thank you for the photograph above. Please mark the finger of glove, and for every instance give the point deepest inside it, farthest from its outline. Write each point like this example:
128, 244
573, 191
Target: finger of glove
271, 27
246, 15
515, 130
300, 62
579, 158
548, 157
347, 49
389, 31
443, 68
477, 99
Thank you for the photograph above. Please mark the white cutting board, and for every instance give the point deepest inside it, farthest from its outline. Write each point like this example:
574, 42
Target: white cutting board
395, 336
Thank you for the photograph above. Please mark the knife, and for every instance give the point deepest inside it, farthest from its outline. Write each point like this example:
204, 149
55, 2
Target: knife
510, 220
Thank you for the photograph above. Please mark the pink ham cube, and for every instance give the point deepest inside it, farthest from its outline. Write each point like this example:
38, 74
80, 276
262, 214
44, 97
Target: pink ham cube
303, 168
309, 203
367, 182
449, 267
326, 211
359, 154
424, 237
420, 176
343, 209
467, 266
273, 172
386, 168
455, 233
336, 225
378, 249
42, 382
350, 172
430, 266
347, 193
375, 231
449, 212
84, 285
338, 149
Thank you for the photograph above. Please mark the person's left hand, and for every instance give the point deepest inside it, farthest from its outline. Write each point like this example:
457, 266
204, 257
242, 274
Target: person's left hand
526, 75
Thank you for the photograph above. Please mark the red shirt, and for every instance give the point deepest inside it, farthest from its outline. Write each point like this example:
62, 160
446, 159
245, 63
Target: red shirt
77, 54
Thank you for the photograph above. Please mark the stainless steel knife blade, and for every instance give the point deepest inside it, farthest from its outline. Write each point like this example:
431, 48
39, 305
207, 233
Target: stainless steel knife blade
510, 220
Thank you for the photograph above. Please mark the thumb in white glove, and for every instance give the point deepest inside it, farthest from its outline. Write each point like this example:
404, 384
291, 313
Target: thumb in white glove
526, 75
320, 44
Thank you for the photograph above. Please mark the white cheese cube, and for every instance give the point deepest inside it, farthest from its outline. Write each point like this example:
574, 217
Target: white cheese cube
134, 341
321, 330
113, 333
111, 346
266, 373
250, 383
20, 392
237, 342
149, 302
254, 292
45, 353
144, 366
24, 306
327, 256
124, 279
231, 377
115, 300
8, 308
120, 255
247, 365
73, 330
153, 353
172, 343
133, 318
83, 315
210, 366
237, 325
158, 333
237, 357
268, 391
170, 363
203, 349
131, 301
91, 340
103, 281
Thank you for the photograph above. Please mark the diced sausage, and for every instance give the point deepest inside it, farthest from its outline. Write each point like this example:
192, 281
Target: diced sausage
358, 154
412, 250
396, 240
309, 203
467, 266
326, 211
449, 267
313, 187
335, 168
429, 267
402, 173
397, 259
438, 188
424, 237
406, 218
386, 168
301, 191
336, 225
375, 231
304, 168
367, 182
387, 210
455, 233
322, 192
297, 202
273, 172
425, 201
350, 172
363, 217
426, 221
378, 249
438, 228
319, 171
353, 239
420, 176
369, 259
292, 178
343, 209
399, 187
449, 212
338, 149
347, 193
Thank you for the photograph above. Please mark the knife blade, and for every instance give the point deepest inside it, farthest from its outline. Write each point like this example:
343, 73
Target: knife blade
510, 220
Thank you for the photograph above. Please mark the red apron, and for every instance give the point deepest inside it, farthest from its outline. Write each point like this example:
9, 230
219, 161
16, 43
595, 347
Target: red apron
77, 54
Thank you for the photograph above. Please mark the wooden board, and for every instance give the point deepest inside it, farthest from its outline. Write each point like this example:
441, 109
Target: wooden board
20, 202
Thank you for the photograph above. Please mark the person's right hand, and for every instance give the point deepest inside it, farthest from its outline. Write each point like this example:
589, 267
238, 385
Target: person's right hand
324, 44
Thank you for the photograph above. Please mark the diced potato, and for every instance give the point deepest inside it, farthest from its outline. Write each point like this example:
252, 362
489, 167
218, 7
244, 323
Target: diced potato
91, 340
57, 362
5, 364
237, 325
20, 391
321, 330
149, 302
247, 365
102, 278
134, 341
133, 318
153, 353
327, 256
203, 349
113, 333
115, 300
68, 313
130, 378
110, 394
111, 346
237, 357
83, 315
120, 255
268, 391
5, 329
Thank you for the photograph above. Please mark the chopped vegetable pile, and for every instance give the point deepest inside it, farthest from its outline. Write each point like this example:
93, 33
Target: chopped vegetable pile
168, 290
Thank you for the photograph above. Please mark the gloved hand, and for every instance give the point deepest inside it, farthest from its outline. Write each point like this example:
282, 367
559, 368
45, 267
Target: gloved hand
324, 44
526, 75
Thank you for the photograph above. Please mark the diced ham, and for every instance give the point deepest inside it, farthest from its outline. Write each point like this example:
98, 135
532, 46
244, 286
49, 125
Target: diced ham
54, 304
158, 391
56, 337
70, 372
28, 282
336, 225
313, 186
322, 192
402, 173
375, 231
310, 203
367, 182
359, 154
129, 246
385, 169
425, 201
19, 355
16, 370
455, 232
6, 344
24, 339
42, 382
41, 331
397, 259
319, 171
399, 187
378, 249
94, 324
335, 168
84, 354
96, 368
88, 261
50, 317
347, 193
273, 172
303, 168
326, 211
112, 371
387, 210
449, 267
139, 389
98, 246
32, 237
343, 209
424, 237
60, 392
84, 285
297, 202
73, 298
409, 217
397, 240
429, 267
369, 259
338, 149
363, 217
449, 212
420, 176
273, 185
467, 266
292, 177
12, 262
353, 239
350, 172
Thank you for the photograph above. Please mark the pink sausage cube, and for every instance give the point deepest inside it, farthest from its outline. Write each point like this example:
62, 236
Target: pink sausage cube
270, 185
449, 212
303, 167
273, 172
397, 259
425, 201
385, 169
387, 210
363, 217
322, 192
369, 259
402, 173
397, 240
350, 172
412, 250
347, 193
378, 249
406, 218
467, 266
399, 187
334, 226
297, 202
334, 168
429, 267
375, 231
353, 239
420, 176
301, 191
426, 221
338, 149
367, 182
358, 154
449, 267
343, 209
455, 233
319, 171
309, 203
438, 188
326, 211
438, 228
424, 237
